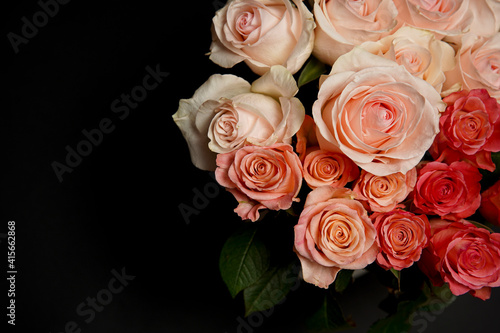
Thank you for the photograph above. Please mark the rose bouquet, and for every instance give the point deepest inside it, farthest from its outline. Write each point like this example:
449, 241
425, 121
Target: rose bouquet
391, 169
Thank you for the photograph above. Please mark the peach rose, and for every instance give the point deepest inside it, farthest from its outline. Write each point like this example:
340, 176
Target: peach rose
486, 14
260, 177
377, 113
450, 191
226, 113
490, 204
419, 52
322, 167
401, 236
384, 193
464, 256
334, 232
469, 129
262, 33
478, 65
442, 17
341, 25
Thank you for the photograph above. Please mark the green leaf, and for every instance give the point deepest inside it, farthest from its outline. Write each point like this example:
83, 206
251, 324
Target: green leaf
270, 289
344, 277
329, 317
311, 71
244, 259
480, 225
396, 323
397, 274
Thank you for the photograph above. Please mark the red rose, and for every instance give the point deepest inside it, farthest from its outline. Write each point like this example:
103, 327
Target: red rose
450, 191
401, 236
464, 256
469, 129
490, 204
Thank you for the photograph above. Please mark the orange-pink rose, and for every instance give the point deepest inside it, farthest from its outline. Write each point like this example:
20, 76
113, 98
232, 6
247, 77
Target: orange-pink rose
322, 167
341, 25
464, 256
334, 232
262, 33
377, 113
260, 177
384, 193
401, 236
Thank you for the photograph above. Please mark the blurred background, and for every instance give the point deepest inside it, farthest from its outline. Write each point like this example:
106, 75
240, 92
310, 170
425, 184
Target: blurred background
115, 212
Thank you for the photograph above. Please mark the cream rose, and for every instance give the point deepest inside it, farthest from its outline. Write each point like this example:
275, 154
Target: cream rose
376, 113
442, 17
262, 33
478, 65
419, 52
334, 232
226, 113
486, 20
341, 25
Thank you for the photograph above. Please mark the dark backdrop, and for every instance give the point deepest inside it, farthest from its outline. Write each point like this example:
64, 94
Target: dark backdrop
117, 211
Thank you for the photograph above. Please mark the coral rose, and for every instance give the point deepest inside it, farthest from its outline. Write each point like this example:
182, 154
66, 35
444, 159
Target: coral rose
469, 129
401, 236
490, 204
384, 193
322, 167
377, 113
334, 232
262, 33
226, 113
341, 25
260, 177
464, 256
450, 191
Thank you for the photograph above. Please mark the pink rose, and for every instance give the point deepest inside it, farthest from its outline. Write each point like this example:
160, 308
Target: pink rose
322, 167
262, 33
443, 17
464, 256
469, 129
384, 193
260, 177
377, 113
401, 236
341, 25
478, 65
490, 204
450, 191
225, 114
334, 232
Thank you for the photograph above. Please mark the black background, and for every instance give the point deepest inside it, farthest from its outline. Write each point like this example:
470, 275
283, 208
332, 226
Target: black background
119, 208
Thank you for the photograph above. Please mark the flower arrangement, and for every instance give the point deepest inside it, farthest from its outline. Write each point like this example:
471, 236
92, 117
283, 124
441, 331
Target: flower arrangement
393, 168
